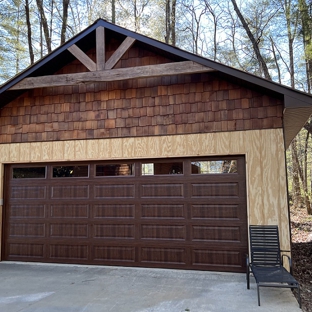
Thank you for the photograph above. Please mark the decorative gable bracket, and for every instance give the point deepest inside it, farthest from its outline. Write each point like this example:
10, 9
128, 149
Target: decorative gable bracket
103, 71
100, 52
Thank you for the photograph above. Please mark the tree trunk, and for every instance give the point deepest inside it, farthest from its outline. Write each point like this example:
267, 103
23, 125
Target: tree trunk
306, 23
30, 48
167, 37
173, 22
255, 46
114, 11
170, 37
275, 60
44, 25
305, 176
136, 17
64, 20
297, 198
304, 183
290, 43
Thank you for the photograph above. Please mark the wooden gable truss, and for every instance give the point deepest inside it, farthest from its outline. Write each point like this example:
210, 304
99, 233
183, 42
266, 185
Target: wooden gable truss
103, 71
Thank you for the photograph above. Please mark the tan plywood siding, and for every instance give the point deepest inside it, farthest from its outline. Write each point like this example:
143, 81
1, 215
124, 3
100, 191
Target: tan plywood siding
264, 151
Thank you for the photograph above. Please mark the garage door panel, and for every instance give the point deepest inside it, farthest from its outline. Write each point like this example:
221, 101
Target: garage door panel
163, 232
63, 230
68, 251
115, 231
164, 256
25, 250
68, 211
153, 219
215, 190
122, 254
217, 258
221, 211
27, 211
162, 190
115, 211
114, 191
216, 233
28, 192
70, 192
27, 229
163, 211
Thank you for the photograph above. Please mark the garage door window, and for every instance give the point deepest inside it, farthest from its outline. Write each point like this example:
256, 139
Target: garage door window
162, 168
29, 173
70, 171
115, 170
214, 167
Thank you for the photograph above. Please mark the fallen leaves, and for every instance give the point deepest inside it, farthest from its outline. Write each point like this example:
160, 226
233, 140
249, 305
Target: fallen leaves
301, 230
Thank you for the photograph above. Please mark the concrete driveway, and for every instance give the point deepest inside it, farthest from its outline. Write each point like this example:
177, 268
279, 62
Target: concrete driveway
71, 288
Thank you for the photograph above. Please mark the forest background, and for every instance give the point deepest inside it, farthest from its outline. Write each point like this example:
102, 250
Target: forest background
269, 38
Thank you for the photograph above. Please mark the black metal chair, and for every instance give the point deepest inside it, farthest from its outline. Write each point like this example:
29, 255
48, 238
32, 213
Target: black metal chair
267, 260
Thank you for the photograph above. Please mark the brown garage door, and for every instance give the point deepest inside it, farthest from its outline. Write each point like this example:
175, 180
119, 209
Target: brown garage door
177, 213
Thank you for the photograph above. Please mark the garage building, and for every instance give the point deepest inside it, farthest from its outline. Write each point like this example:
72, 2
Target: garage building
117, 149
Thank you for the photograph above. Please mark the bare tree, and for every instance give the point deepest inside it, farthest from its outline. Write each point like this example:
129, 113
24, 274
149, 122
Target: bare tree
306, 29
29, 35
113, 11
64, 20
193, 19
253, 41
170, 36
44, 24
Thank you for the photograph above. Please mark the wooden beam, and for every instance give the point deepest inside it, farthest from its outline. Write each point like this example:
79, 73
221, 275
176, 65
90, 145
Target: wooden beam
100, 48
122, 49
167, 69
82, 57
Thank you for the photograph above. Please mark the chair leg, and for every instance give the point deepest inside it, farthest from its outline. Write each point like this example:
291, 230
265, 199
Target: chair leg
258, 291
299, 297
248, 278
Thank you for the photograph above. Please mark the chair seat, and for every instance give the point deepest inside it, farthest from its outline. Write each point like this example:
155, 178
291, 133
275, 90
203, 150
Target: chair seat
274, 275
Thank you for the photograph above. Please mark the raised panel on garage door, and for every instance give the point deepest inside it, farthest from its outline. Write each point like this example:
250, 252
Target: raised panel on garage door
172, 213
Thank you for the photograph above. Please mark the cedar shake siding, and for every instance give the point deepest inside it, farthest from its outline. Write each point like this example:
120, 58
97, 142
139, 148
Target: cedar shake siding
198, 103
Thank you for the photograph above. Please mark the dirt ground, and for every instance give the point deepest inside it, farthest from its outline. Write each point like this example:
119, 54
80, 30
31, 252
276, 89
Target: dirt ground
301, 228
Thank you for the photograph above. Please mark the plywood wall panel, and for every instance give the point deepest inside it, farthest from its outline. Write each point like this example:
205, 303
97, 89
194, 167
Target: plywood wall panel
269, 179
254, 176
92, 149
35, 152
223, 142
4, 153
140, 147
25, 153
81, 148
58, 150
263, 150
47, 151
14, 152
69, 150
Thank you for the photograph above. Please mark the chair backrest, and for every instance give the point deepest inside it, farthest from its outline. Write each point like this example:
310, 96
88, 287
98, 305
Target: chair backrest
264, 245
